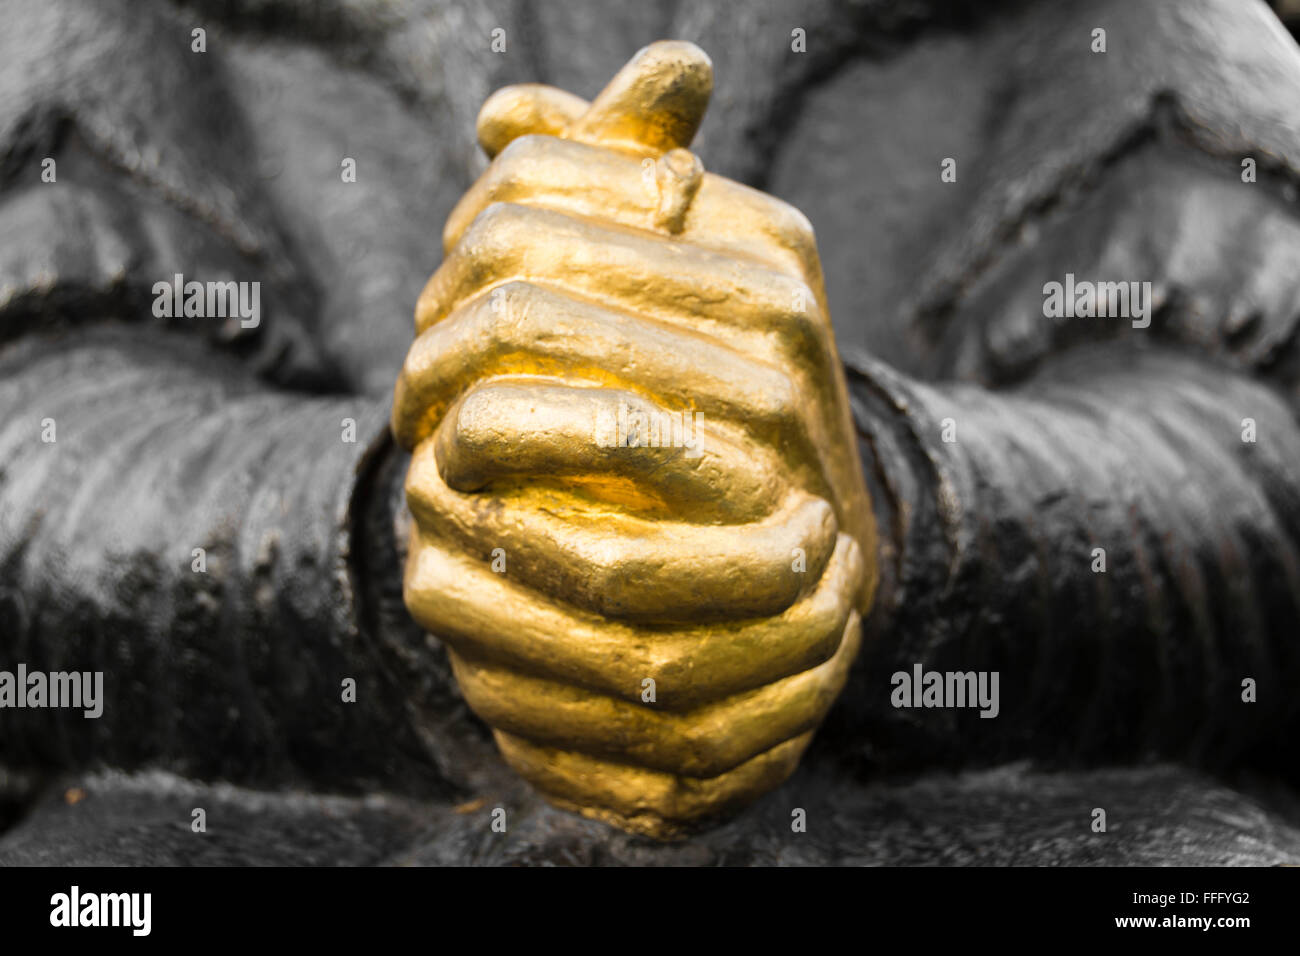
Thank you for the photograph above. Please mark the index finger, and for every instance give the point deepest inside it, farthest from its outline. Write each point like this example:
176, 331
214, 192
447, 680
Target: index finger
522, 109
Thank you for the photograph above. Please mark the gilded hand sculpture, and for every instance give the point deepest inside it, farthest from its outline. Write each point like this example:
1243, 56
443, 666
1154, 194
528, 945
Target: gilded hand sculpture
653, 621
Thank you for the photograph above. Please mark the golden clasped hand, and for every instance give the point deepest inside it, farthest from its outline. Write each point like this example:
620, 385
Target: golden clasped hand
653, 628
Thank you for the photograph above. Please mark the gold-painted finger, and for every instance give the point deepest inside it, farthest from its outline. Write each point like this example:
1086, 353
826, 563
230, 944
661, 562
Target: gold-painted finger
661, 805
596, 556
757, 309
653, 104
615, 444
525, 109
523, 329
703, 742
604, 184
487, 615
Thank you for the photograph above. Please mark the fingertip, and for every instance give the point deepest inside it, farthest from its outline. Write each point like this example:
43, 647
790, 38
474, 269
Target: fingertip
656, 102
525, 108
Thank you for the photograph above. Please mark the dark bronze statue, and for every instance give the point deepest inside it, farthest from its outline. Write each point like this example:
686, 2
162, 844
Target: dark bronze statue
1059, 247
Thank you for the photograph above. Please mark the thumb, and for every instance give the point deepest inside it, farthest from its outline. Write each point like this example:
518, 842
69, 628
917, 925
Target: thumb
654, 104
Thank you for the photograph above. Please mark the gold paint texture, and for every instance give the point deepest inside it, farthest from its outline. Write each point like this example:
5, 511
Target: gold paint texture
633, 459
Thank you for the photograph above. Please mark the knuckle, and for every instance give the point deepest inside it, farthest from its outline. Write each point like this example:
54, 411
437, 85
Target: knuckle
857, 563
604, 577
706, 753
802, 326
487, 251
785, 225
420, 485
405, 409
816, 530
520, 150
478, 421
602, 574
503, 311
417, 393
794, 226
504, 177
777, 402
492, 230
